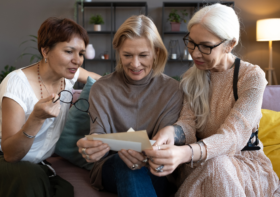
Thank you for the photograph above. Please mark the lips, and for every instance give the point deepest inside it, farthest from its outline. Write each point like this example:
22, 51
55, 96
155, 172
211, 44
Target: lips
136, 71
72, 70
198, 62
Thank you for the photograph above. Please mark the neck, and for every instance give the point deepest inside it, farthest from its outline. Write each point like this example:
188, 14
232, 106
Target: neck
49, 77
225, 63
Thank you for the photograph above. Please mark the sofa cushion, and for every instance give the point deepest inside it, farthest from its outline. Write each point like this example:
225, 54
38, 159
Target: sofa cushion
269, 134
77, 125
78, 177
271, 98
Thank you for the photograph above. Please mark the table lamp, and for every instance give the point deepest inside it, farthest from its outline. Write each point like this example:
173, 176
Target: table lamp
269, 30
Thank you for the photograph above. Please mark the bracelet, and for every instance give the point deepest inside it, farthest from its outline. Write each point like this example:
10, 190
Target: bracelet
192, 155
201, 150
29, 136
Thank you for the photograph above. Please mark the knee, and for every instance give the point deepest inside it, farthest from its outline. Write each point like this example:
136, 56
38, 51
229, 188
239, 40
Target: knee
24, 173
24, 176
219, 165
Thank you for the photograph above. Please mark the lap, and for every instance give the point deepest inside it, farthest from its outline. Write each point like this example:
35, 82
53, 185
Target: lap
245, 174
28, 179
138, 178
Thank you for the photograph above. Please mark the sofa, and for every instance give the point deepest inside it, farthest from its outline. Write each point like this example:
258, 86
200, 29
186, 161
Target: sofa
79, 177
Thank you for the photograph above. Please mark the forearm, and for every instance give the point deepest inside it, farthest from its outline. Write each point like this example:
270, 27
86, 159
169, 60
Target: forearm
179, 135
18, 145
94, 75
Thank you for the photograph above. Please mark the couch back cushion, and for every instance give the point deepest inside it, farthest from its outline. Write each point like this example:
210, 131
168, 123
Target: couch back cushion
271, 98
77, 125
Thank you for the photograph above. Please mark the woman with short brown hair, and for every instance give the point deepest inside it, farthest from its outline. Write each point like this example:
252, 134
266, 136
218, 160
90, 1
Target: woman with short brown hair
30, 122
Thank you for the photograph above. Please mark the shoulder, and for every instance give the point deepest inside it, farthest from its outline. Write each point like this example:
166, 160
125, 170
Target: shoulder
107, 81
15, 86
251, 75
167, 82
14, 80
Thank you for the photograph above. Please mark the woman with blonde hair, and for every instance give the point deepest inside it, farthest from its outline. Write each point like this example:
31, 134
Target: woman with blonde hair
220, 153
136, 95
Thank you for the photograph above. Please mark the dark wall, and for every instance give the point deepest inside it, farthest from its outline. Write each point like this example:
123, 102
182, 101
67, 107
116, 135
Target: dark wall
18, 19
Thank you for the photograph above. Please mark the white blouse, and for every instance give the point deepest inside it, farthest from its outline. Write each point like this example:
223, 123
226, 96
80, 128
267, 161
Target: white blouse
16, 86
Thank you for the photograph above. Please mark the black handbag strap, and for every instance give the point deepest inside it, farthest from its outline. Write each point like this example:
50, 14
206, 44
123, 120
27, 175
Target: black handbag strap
235, 77
250, 146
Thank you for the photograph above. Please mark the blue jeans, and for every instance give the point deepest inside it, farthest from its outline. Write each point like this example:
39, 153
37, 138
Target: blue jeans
119, 179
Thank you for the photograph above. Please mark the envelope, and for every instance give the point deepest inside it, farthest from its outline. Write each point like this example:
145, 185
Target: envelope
137, 140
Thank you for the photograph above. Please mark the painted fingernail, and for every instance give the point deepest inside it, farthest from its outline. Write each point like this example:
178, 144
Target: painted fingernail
144, 153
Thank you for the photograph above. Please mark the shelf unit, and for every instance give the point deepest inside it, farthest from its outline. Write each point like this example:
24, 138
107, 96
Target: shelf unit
166, 33
112, 6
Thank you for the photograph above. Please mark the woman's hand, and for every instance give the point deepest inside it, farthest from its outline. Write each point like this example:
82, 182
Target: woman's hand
165, 136
45, 108
92, 150
133, 159
169, 156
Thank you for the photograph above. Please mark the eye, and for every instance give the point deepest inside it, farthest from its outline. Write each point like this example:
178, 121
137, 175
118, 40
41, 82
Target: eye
205, 46
81, 54
68, 52
143, 55
127, 55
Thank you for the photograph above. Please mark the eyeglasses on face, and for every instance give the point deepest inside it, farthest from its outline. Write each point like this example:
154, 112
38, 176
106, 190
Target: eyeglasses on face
201, 47
81, 104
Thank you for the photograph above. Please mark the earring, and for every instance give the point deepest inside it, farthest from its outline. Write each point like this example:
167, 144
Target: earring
46, 60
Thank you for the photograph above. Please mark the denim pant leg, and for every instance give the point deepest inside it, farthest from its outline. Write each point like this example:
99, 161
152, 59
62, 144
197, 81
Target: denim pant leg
118, 178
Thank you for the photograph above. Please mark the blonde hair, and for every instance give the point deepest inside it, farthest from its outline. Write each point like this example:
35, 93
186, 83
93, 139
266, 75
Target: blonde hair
136, 27
222, 21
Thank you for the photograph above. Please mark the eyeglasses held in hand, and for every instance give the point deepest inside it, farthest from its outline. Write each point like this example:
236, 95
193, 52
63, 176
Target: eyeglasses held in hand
81, 104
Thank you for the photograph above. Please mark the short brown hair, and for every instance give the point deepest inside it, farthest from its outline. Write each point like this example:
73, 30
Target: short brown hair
141, 26
54, 30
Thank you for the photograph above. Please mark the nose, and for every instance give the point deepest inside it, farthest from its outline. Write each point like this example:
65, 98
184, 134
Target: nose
77, 59
135, 62
196, 52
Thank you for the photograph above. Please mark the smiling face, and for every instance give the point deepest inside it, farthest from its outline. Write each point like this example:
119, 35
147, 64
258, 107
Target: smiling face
66, 57
217, 60
137, 58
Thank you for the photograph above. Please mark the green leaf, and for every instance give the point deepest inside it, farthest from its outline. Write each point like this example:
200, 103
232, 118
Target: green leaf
34, 37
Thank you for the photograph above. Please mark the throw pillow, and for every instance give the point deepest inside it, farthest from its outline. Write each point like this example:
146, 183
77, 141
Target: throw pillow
269, 134
77, 125
269, 130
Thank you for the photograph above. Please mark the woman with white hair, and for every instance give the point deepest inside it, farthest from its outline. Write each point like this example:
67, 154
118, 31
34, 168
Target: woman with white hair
136, 95
221, 112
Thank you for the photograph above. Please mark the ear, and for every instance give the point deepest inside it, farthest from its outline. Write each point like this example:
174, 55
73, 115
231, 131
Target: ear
45, 52
231, 45
156, 53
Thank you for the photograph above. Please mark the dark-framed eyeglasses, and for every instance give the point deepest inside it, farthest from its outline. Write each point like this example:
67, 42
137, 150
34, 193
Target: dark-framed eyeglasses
201, 47
81, 104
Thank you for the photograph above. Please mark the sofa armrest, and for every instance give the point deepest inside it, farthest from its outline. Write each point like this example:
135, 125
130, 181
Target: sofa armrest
271, 98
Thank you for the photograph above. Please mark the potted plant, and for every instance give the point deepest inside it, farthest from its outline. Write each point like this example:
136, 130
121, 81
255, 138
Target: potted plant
6, 71
175, 19
97, 20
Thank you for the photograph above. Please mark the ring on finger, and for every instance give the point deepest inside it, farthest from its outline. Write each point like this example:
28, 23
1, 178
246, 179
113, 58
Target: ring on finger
134, 166
158, 147
160, 168
84, 151
145, 160
87, 156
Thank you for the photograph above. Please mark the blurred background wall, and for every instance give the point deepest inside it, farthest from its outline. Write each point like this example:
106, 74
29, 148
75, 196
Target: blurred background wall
18, 19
